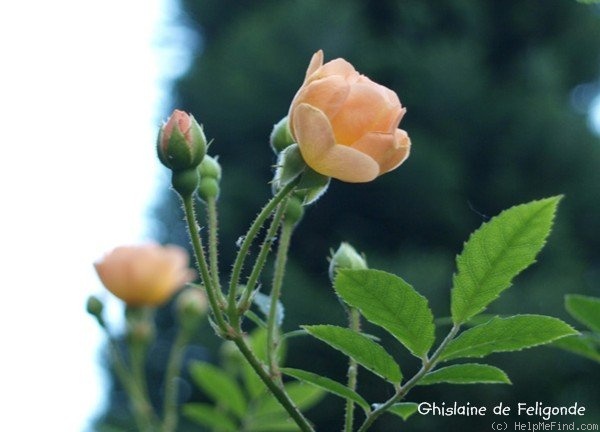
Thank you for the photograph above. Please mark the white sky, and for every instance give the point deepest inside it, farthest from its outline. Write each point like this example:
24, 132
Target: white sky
79, 94
79, 110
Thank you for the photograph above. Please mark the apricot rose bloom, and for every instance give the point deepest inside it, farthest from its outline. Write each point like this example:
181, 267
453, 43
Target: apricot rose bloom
346, 126
145, 275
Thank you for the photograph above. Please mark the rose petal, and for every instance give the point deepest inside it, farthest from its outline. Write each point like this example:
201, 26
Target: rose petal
402, 153
335, 67
327, 94
312, 131
347, 164
363, 107
315, 63
388, 150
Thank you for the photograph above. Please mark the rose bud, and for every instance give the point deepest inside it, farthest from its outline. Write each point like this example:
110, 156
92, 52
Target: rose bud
346, 257
181, 143
346, 126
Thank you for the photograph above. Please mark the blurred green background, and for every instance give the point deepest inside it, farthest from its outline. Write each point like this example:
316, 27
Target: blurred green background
497, 94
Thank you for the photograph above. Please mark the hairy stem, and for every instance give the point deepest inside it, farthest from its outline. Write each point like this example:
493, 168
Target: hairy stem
353, 324
262, 257
277, 391
247, 242
272, 327
188, 206
213, 241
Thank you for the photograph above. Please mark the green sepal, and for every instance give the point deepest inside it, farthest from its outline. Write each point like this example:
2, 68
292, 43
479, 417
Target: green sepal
185, 182
281, 137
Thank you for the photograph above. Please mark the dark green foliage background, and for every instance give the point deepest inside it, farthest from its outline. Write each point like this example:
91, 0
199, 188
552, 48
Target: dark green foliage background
489, 90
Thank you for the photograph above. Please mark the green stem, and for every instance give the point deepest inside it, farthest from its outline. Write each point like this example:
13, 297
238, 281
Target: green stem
353, 324
140, 406
272, 328
171, 388
188, 207
428, 365
246, 243
213, 241
138, 355
262, 257
277, 391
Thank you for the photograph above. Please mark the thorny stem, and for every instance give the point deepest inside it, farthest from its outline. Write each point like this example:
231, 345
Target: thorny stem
213, 241
262, 257
188, 206
353, 324
428, 364
245, 247
272, 328
277, 391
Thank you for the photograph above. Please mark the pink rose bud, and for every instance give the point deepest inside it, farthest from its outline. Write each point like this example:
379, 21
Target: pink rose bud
346, 126
181, 142
146, 275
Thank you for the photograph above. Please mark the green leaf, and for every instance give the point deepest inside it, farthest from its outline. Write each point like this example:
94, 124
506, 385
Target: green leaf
496, 253
209, 416
362, 349
468, 373
584, 309
388, 301
263, 302
219, 386
328, 385
506, 334
585, 344
404, 409
304, 396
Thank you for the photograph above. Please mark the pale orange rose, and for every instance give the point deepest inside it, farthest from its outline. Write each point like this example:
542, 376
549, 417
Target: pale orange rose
346, 126
145, 275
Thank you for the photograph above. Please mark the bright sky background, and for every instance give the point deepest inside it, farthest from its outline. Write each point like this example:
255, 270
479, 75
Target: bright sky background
80, 90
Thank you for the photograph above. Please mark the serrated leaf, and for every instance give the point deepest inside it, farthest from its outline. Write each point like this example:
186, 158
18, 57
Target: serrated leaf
328, 385
209, 416
404, 409
585, 344
263, 302
506, 334
467, 373
304, 396
584, 309
496, 253
366, 352
388, 301
219, 386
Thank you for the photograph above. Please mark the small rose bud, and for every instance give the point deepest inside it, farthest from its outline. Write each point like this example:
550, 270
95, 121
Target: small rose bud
191, 306
181, 144
95, 307
210, 167
281, 137
346, 257
293, 210
210, 176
